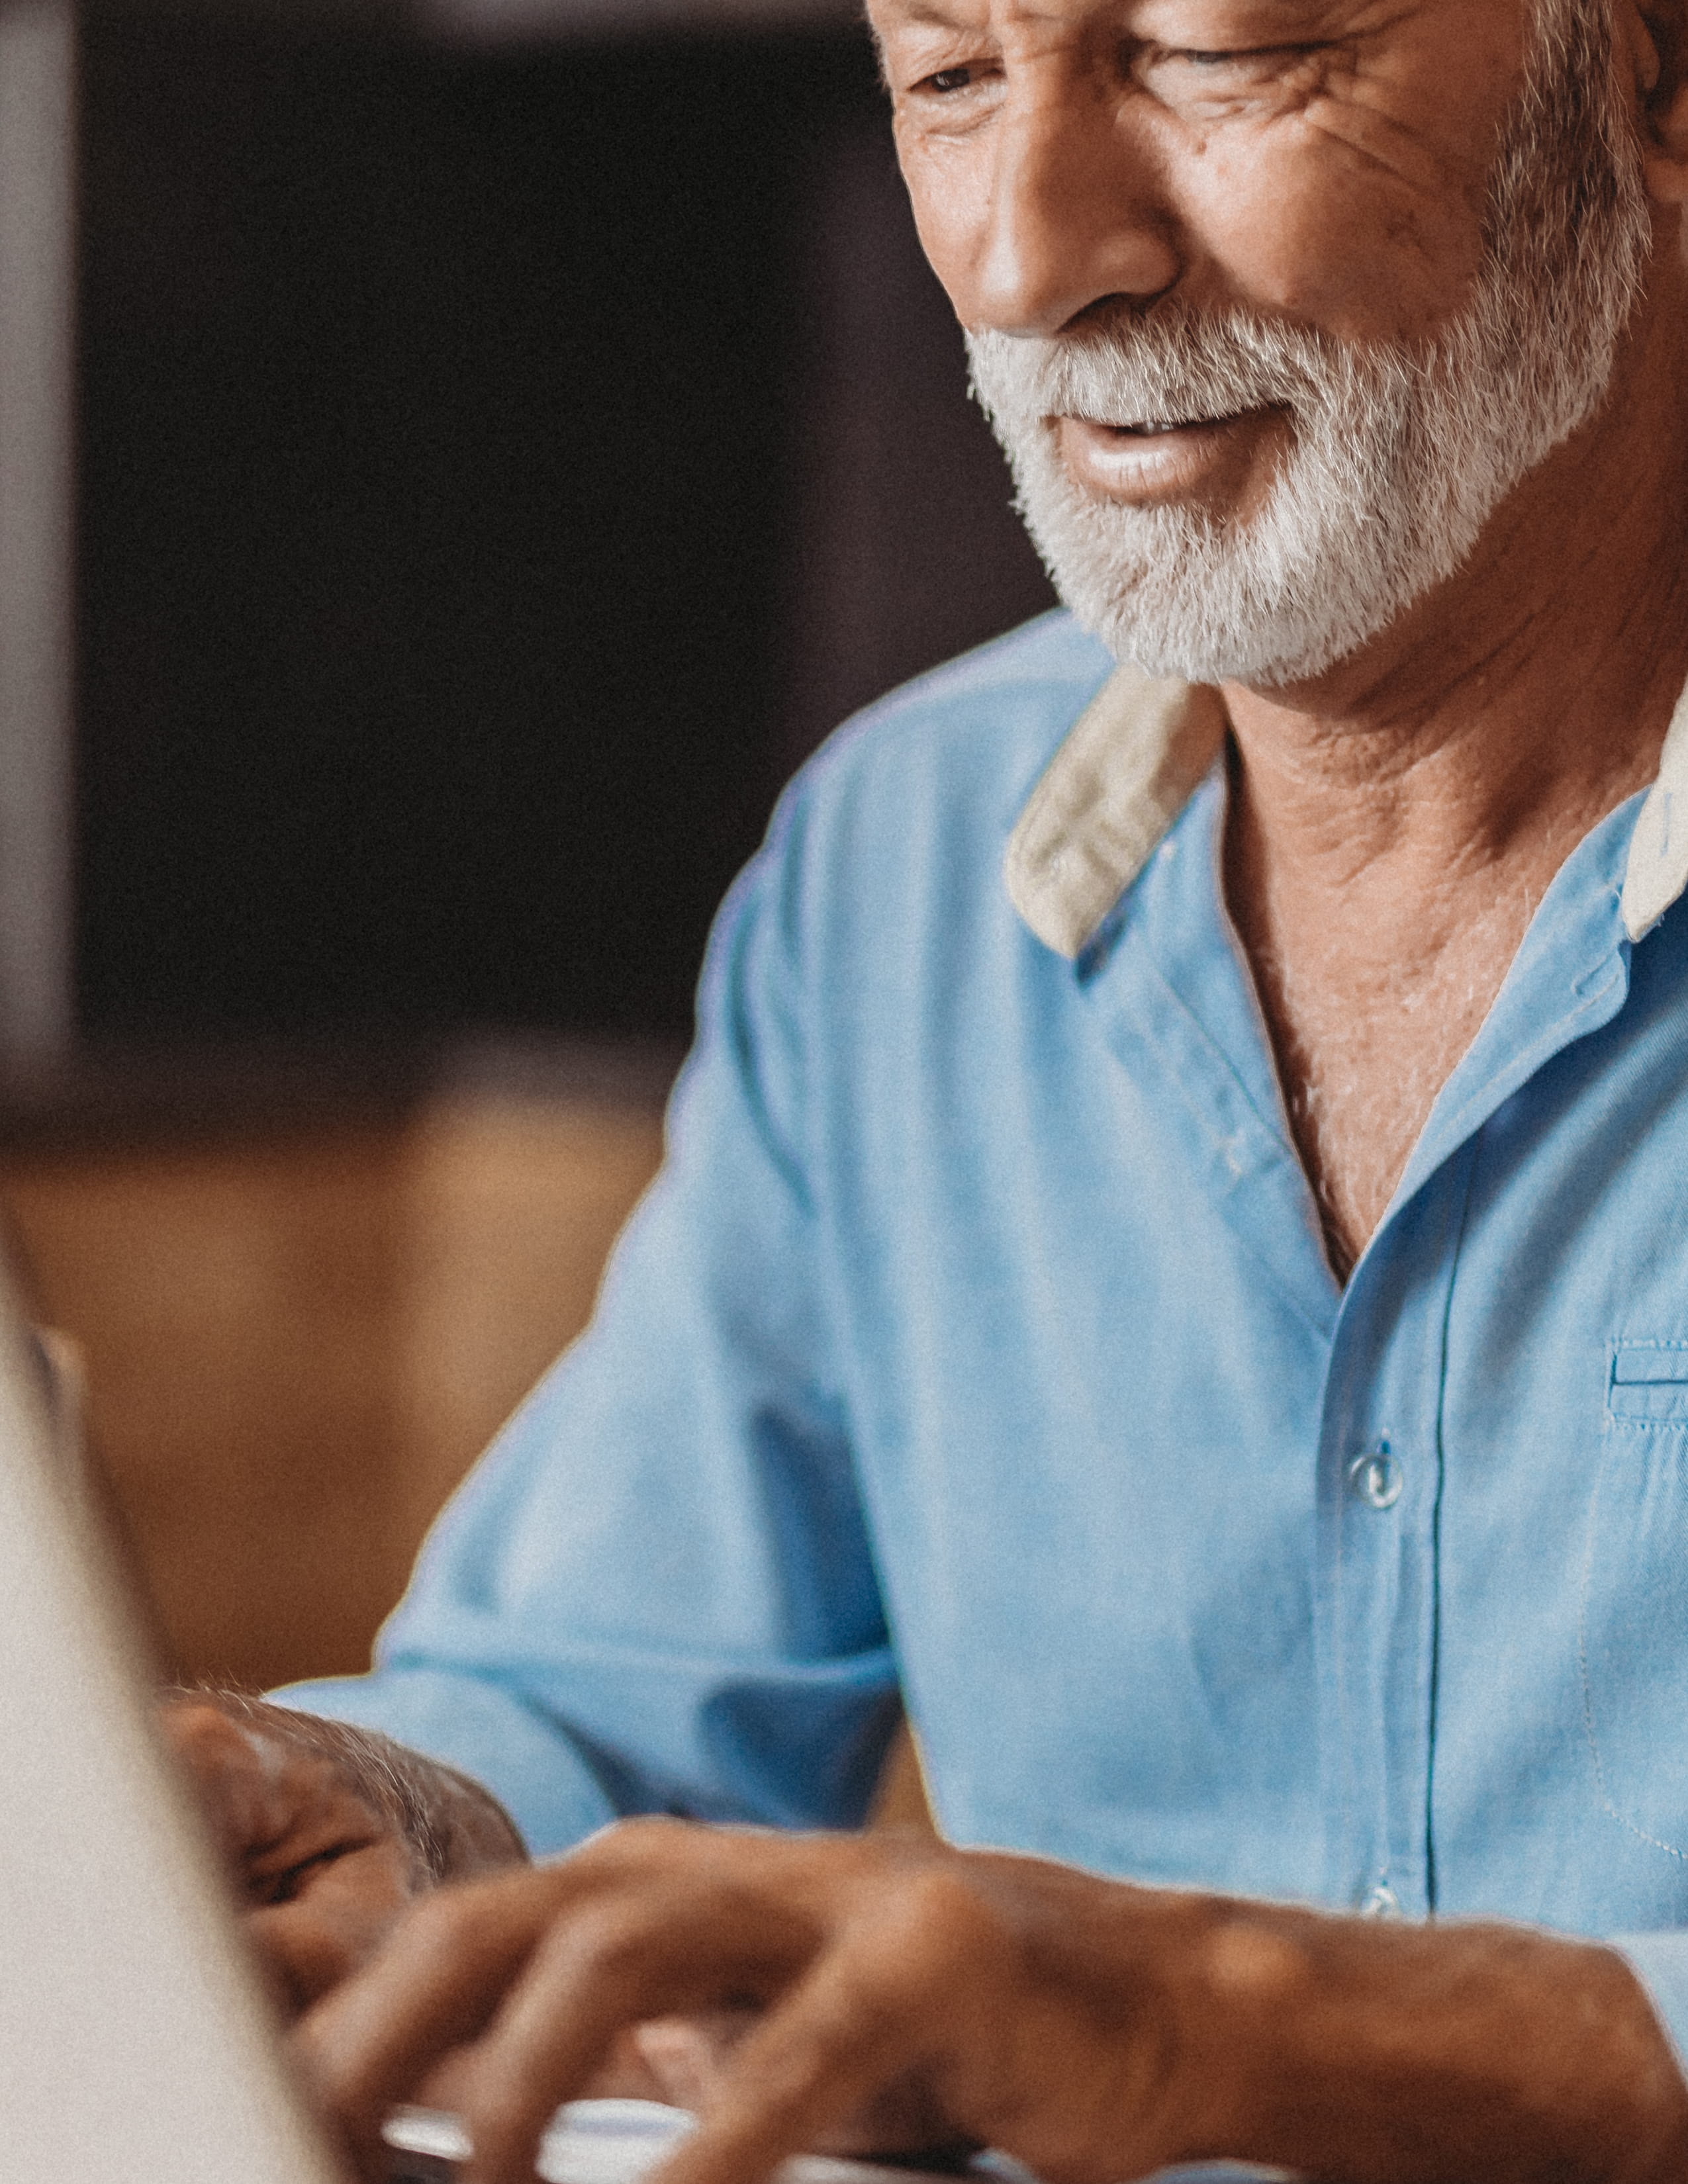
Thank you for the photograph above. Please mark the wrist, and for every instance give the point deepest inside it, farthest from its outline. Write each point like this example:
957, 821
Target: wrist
1397, 2054
1242, 1983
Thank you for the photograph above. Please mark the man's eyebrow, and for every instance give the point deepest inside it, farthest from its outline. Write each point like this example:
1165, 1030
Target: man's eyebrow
933, 13
937, 14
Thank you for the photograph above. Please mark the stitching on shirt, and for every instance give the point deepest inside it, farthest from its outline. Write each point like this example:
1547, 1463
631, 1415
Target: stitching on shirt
1663, 1348
1433, 1696
1611, 1810
1553, 1040
1339, 1623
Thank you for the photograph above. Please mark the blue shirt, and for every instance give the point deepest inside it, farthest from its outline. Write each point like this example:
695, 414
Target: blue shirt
977, 1343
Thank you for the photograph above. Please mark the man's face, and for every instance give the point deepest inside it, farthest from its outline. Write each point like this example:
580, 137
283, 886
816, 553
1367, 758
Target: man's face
1271, 301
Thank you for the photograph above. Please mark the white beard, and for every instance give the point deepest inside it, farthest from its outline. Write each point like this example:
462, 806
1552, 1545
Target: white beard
1399, 455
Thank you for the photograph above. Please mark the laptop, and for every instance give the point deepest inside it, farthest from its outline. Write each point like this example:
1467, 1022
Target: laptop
137, 2044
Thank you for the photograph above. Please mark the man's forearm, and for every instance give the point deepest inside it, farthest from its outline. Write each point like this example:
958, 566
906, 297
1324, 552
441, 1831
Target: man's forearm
1418, 2055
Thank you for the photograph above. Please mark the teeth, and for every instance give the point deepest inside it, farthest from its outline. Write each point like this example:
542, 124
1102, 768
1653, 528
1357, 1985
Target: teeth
1141, 428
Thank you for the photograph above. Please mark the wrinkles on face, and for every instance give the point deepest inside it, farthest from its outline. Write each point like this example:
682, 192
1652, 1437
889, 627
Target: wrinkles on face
1325, 160
1356, 205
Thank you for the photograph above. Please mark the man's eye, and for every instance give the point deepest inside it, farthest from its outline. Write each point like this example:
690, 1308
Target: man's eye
1225, 72
949, 78
1251, 60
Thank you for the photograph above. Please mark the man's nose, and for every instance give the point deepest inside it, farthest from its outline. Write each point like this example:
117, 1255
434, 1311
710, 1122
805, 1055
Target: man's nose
1075, 215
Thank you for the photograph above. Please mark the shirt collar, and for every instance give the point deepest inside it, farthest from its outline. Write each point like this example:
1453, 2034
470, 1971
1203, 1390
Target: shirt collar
1131, 762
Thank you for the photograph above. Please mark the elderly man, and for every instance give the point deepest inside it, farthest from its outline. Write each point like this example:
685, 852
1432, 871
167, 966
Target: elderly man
1206, 1320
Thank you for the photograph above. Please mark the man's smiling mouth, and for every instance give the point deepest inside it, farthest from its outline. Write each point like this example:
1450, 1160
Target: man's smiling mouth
1161, 458
1157, 428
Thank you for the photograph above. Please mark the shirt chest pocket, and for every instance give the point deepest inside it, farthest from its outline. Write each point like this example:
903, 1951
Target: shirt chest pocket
1648, 1383
1634, 1596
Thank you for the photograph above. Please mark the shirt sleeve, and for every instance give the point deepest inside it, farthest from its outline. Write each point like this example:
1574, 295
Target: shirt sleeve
655, 1592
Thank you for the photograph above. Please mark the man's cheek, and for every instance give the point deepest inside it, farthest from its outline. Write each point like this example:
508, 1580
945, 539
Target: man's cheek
1333, 217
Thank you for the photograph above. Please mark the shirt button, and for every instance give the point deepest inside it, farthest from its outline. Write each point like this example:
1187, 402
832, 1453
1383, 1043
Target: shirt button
1375, 1478
1380, 1902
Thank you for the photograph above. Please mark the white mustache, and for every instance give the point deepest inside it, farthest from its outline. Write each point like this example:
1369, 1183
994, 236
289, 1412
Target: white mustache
1176, 368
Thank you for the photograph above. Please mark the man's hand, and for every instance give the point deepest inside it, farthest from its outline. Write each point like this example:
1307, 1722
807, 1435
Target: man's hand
1096, 2030
330, 1833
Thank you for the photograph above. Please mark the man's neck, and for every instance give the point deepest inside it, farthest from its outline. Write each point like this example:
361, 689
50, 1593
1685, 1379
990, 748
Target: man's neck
1394, 825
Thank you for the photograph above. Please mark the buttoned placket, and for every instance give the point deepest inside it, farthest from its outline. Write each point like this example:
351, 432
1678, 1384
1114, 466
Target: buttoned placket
1375, 1363
1375, 1601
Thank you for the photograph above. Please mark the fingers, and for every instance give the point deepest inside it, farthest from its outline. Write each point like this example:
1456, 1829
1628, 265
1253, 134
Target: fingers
841, 2035
541, 1969
543, 1956
369, 2044
609, 1965
683, 2060
527, 1984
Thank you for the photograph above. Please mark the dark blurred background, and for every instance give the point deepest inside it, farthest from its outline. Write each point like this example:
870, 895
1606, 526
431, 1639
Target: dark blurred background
498, 469
504, 444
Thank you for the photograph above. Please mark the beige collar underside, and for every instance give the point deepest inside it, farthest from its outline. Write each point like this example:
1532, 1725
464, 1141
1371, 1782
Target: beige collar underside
1134, 759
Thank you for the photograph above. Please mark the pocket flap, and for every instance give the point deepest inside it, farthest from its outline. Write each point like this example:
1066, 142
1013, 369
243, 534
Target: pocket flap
1635, 1362
1649, 1381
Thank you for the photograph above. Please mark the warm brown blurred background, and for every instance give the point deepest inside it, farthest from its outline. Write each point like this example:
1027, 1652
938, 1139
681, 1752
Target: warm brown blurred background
302, 1308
